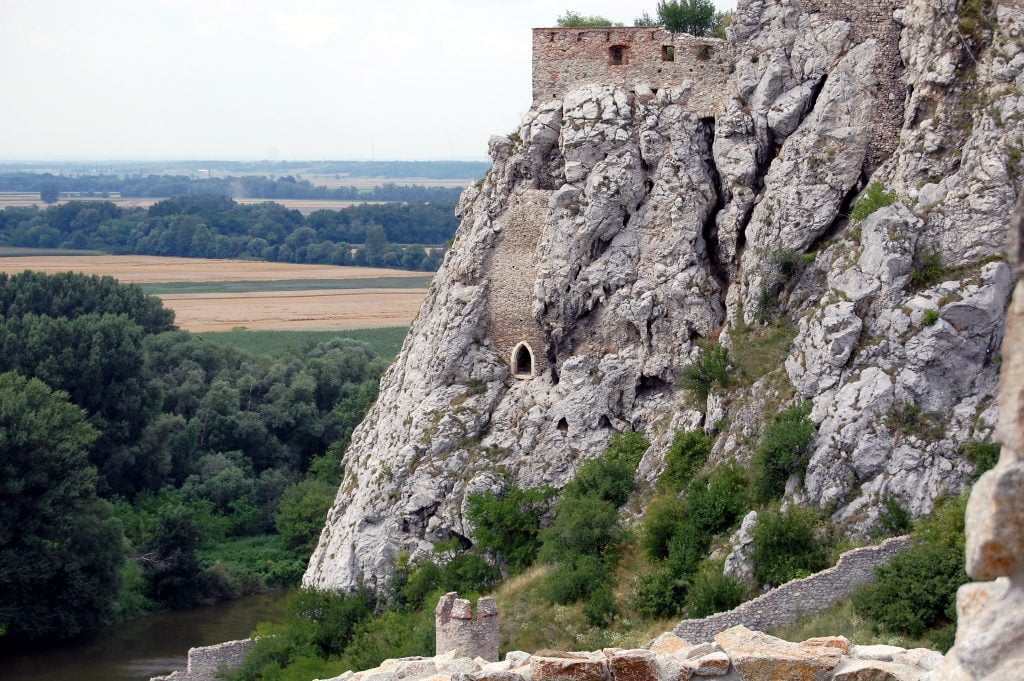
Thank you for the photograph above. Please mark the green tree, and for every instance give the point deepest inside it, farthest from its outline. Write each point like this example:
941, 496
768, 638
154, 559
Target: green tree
49, 192
573, 19
301, 513
60, 548
375, 246
507, 525
170, 561
696, 17
785, 547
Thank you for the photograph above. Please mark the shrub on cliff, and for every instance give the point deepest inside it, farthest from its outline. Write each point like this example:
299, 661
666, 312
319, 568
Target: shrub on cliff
916, 591
711, 368
784, 449
785, 547
873, 199
507, 525
712, 591
688, 452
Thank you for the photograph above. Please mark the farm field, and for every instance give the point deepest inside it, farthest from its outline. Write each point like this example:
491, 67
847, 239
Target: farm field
369, 182
304, 206
220, 295
386, 340
352, 309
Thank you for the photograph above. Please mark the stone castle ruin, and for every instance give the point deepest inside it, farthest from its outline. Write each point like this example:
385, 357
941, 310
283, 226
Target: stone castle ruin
460, 633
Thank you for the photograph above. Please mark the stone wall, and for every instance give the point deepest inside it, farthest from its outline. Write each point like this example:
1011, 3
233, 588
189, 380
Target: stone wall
815, 593
874, 19
459, 633
205, 663
511, 276
564, 58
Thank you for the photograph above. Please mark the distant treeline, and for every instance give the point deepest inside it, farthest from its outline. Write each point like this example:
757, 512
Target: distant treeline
214, 226
246, 186
433, 170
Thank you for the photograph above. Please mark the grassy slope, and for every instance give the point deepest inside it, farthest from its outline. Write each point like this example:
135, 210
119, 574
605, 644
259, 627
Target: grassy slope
842, 620
386, 341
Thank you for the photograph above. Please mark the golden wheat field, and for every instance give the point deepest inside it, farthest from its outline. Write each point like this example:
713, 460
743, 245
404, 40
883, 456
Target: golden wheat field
256, 309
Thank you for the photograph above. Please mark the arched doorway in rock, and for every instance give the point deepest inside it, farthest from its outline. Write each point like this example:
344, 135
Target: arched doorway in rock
522, 361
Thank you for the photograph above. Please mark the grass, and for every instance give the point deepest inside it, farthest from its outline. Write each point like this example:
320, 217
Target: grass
284, 285
21, 252
386, 340
759, 351
843, 620
530, 622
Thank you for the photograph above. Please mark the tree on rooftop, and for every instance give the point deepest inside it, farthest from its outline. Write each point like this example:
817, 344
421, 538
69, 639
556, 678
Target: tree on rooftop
576, 20
696, 17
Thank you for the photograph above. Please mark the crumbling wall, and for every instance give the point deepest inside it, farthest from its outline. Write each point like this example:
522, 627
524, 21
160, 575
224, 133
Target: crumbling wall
564, 58
875, 19
815, 593
459, 631
206, 663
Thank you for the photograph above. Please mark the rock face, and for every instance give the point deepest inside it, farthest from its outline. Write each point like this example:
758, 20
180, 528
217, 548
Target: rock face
990, 615
617, 228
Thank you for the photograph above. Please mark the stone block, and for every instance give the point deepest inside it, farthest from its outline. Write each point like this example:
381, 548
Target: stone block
633, 665
758, 657
712, 664
669, 644
567, 669
882, 653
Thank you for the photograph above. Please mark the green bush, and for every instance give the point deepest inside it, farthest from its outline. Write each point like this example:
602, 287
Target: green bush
712, 592
659, 595
507, 525
301, 513
930, 317
873, 199
582, 525
784, 449
894, 519
576, 20
785, 547
916, 591
984, 455
610, 476
449, 569
600, 607
689, 450
576, 578
709, 369
661, 522
927, 269
392, 635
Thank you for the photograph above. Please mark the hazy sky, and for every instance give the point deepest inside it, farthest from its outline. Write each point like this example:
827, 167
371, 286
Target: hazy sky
251, 79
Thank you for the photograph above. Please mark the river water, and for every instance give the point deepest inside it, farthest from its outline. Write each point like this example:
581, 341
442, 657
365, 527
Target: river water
143, 647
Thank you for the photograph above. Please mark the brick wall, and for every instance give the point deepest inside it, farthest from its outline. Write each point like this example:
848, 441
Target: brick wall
873, 19
511, 276
564, 58
816, 593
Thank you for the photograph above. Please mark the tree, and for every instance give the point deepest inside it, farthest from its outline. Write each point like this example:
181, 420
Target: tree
170, 563
696, 17
49, 192
576, 20
375, 246
60, 549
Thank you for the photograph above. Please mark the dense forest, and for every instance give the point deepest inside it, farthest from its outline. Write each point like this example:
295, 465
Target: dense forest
430, 170
246, 186
215, 226
143, 467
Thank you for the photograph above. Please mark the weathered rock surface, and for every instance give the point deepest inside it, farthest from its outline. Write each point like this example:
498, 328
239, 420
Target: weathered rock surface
759, 657
617, 229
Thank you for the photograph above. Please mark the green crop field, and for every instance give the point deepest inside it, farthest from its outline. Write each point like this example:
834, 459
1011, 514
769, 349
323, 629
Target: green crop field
386, 341
20, 252
284, 285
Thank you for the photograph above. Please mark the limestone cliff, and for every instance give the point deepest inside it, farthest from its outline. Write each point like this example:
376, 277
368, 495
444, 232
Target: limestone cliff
617, 229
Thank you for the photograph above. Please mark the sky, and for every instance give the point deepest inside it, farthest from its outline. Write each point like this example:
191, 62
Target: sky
269, 79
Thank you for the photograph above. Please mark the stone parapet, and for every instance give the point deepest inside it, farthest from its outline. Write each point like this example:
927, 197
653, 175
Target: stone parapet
210, 662
463, 635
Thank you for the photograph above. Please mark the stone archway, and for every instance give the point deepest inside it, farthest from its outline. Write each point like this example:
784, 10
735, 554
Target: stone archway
523, 364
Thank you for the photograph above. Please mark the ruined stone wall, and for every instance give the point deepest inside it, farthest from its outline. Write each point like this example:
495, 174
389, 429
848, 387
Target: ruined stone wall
204, 664
564, 58
458, 632
513, 271
874, 19
815, 593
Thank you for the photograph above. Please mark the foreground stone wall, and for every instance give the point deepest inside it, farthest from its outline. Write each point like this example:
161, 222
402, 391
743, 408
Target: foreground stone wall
815, 593
204, 664
738, 654
990, 615
566, 58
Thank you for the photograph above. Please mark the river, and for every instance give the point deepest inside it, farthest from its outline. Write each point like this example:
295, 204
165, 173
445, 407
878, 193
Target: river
143, 647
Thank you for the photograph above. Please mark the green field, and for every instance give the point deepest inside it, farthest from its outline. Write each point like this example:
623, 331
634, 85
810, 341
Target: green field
386, 341
20, 252
284, 285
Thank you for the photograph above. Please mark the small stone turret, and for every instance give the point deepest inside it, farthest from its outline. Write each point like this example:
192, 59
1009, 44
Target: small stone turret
458, 631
